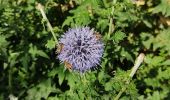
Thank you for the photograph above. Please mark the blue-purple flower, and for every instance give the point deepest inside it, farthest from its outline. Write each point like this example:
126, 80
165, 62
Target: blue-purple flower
81, 49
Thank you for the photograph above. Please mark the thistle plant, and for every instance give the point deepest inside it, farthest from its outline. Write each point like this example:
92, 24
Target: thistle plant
81, 49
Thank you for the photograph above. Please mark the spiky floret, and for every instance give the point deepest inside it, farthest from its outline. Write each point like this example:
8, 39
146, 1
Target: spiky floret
81, 49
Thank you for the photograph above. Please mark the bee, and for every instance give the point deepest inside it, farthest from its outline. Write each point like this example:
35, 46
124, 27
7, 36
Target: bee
67, 65
98, 35
164, 20
60, 48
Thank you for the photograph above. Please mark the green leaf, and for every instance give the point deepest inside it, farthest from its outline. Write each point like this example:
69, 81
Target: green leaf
53, 72
68, 21
163, 7
163, 74
108, 86
42, 90
42, 54
35, 52
167, 62
155, 96
61, 75
50, 44
162, 40
118, 36
3, 42
147, 23
102, 24
147, 39
154, 61
71, 79
101, 76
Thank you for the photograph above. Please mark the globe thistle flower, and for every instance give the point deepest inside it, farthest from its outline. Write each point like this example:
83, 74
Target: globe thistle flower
80, 49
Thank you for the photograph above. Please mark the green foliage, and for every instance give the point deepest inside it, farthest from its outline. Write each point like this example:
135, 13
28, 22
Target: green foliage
118, 36
29, 68
41, 90
163, 8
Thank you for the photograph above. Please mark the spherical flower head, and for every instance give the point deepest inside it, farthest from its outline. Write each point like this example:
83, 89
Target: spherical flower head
82, 49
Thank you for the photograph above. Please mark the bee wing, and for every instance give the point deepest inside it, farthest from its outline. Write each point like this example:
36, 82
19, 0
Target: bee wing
67, 65
60, 48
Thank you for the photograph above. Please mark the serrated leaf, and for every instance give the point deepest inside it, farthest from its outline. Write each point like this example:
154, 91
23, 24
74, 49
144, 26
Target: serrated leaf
50, 44
42, 54
68, 21
118, 36
71, 80
34, 52
53, 72
101, 76
167, 62
163, 74
108, 86
3, 41
163, 7
154, 61
102, 24
42, 90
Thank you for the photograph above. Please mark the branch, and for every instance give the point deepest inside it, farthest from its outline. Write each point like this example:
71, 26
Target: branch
40, 8
138, 62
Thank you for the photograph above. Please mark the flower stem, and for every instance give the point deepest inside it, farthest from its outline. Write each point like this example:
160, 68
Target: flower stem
40, 8
10, 79
111, 26
138, 62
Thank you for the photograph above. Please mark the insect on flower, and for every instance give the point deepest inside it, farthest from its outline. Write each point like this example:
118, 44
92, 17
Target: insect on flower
97, 35
67, 65
59, 48
80, 49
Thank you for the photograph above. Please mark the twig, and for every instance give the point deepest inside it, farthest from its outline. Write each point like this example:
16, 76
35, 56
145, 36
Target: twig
110, 25
40, 7
111, 20
138, 62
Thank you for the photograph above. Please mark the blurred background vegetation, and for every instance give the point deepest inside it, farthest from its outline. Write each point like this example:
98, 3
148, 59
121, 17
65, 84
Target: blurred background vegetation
29, 69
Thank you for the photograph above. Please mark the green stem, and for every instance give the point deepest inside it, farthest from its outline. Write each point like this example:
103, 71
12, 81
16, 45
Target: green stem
138, 62
85, 82
111, 20
110, 26
120, 93
40, 7
10, 79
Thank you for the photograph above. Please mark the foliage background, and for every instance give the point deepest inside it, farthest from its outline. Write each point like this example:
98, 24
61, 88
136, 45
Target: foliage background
29, 68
